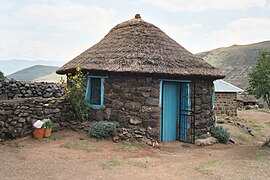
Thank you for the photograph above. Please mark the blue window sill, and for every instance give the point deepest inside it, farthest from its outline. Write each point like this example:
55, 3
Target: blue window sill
95, 106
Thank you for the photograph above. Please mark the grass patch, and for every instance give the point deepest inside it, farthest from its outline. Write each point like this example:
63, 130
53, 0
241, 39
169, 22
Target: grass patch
268, 124
141, 164
255, 126
81, 145
264, 110
185, 145
209, 167
263, 155
242, 137
55, 138
111, 163
130, 146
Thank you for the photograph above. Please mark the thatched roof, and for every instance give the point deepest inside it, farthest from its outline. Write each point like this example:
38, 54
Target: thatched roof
136, 46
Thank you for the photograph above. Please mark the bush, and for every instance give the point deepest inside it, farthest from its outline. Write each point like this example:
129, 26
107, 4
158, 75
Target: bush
102, 129
1, 75
75, 93
220, 133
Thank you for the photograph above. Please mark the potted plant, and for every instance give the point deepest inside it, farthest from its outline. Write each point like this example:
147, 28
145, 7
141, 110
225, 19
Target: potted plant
48, 127
39, 130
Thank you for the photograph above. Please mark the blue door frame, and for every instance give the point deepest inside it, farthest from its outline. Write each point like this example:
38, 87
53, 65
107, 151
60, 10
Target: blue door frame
175, 105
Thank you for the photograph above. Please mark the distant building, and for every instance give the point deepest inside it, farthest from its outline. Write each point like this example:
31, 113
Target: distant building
225, 98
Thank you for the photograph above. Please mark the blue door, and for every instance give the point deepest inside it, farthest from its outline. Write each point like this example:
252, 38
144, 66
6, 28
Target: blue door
175, 111
170, 111
184, 111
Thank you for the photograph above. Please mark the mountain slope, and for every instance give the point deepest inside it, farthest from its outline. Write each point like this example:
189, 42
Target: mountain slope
235, 61
13, 65
53, 77
33, 72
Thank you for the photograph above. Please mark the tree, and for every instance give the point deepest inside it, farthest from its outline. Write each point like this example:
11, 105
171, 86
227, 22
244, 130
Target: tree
259, 78
1, 75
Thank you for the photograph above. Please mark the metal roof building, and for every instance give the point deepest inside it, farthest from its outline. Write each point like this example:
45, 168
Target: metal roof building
223, 86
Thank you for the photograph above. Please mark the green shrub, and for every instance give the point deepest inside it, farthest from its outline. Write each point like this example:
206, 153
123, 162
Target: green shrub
47, 123
220, 133
1, 75
102, 129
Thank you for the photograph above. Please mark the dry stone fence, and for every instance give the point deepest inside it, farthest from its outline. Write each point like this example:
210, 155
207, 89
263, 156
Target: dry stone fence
10, 89
23, 103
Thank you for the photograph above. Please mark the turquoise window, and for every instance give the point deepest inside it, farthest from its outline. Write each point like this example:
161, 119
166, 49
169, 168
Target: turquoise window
95, 91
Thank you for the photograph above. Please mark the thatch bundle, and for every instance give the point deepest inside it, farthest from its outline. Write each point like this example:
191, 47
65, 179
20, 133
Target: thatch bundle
136, 46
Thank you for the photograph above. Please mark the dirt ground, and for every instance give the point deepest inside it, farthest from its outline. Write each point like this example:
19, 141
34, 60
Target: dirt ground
66, 156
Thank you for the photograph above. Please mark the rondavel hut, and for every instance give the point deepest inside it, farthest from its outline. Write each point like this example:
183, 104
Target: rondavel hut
139, 76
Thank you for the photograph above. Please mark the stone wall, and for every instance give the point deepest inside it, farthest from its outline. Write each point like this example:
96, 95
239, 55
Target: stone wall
132, 101
10, 88
204, 114
18, 115
225, 104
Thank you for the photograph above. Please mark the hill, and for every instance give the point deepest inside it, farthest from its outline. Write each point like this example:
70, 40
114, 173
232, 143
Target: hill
53, 77
33, 72
235, 61
13, 65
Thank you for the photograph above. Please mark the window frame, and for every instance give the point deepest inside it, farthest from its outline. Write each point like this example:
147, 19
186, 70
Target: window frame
88, 92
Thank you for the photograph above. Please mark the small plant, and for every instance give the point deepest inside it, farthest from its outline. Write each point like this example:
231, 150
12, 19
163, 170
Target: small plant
130, 146
209, 167
220, 133
81, 145
47, 123
111, 163
102, 129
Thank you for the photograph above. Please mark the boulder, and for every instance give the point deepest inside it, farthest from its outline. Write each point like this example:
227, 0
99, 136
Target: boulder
206, 142
135, 120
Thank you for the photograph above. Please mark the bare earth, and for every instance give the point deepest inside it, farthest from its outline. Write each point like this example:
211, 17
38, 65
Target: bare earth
53, 158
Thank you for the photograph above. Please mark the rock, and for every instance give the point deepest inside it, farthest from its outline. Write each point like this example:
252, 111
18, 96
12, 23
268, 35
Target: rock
22, 120
152, 101
116, 139
267, 143
3, 96
56, 110
145, 94
150, 122
117, 104
133, 105
2, 111
107, 113
135, 120
150, 109
206, 142
232, 141
156, 145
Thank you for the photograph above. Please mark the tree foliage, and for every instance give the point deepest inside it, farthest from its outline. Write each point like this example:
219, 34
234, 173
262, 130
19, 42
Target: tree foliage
1, 75
259, 78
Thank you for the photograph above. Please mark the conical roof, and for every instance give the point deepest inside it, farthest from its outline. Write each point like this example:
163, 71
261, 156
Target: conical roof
136, 46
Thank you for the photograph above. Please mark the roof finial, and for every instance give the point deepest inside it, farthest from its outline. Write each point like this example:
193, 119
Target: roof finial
137, 16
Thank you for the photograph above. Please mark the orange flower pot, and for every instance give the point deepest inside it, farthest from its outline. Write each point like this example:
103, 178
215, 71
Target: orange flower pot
48, 132
38, 133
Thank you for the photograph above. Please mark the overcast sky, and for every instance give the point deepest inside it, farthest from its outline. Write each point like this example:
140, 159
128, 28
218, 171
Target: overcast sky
61, 30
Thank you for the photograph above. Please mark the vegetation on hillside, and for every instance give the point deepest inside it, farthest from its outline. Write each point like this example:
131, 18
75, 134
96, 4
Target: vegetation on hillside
236, 61
1, 75
260, 78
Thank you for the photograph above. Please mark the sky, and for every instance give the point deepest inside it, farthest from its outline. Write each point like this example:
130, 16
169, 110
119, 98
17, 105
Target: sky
59, 30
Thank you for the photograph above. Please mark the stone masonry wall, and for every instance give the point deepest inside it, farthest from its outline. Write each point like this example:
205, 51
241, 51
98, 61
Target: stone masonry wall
18, 115
204, 115
226, 104
132, 101
10, 88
